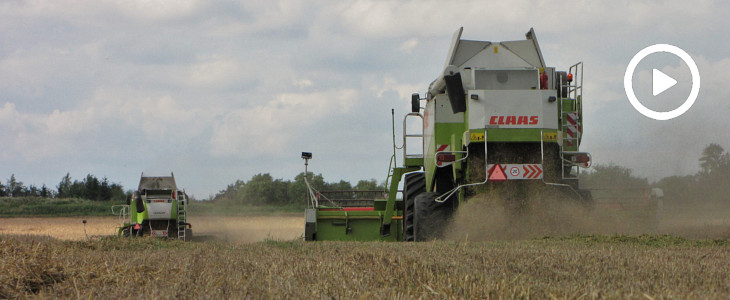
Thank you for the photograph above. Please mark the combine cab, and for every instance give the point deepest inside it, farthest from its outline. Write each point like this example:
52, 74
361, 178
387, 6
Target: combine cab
497, 118
157, 209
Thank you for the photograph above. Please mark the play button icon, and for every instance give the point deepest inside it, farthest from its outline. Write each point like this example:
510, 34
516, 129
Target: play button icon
661, 82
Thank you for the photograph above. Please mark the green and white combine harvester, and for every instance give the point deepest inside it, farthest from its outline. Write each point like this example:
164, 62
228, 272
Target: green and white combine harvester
497, 118
158, 208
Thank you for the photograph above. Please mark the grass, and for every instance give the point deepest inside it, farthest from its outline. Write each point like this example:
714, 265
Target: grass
35, 206
73, 207
611, 267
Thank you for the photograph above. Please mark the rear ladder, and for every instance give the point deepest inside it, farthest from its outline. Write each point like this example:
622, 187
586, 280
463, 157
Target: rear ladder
181, 214
410, 160
571, 123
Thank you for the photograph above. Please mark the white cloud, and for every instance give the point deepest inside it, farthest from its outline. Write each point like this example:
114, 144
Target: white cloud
37, 136
216, 71
390, 83
212, 83
409, 45
303, 83
268, 128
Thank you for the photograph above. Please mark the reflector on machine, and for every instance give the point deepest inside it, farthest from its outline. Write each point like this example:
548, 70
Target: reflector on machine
496, 173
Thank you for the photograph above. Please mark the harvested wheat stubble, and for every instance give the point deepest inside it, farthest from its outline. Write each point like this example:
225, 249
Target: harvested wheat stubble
616, 267
233, 228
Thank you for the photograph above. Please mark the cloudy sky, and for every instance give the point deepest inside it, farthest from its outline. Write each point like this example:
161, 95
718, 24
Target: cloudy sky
217, 91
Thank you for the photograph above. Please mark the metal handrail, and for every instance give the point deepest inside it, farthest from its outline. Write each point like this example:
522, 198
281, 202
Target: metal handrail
575, 93
542, 161
122, 213
442, 198
406, 135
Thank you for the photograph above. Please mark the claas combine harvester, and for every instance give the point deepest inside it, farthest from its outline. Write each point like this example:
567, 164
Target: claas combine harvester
158, 208
497, 117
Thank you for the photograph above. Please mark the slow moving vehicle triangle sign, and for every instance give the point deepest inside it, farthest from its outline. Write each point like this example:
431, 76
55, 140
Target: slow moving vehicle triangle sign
497, 174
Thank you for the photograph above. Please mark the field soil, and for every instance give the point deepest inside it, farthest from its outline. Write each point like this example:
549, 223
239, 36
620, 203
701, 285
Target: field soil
243, 229
264, 257
578, 267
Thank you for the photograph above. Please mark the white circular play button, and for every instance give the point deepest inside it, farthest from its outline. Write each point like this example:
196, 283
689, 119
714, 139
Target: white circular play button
661, 82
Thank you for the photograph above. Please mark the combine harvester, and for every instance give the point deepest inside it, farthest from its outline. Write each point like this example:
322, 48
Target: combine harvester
159, 210
497, 117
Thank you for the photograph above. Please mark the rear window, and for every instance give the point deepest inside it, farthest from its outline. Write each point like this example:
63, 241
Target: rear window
506, 79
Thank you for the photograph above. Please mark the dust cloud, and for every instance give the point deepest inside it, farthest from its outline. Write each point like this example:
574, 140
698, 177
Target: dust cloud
248, 229
545, 212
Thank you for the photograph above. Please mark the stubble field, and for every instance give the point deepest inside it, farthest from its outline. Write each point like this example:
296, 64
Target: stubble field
261, 257
239, 229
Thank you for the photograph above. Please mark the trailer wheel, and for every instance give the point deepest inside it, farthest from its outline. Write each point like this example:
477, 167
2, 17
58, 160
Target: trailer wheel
126, 232
430, 217
414, 184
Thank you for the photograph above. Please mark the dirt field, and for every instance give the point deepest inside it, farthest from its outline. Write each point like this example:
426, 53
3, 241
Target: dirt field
580, 267
262, 257
243, 229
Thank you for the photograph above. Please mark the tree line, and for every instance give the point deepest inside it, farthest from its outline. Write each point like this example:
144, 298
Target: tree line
709, 185
263, 189
91, 188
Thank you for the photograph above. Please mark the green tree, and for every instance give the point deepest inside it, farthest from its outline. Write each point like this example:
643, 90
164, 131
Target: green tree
91, 188
14, 187
298, 188
45, 192
259, 190
117, 193
713, 158
64, 187
611, 176
369, 185
713, 181
32, 191
230, 194
339, 186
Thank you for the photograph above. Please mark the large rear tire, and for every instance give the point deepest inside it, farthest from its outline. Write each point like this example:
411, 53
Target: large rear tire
413, 185
431, 217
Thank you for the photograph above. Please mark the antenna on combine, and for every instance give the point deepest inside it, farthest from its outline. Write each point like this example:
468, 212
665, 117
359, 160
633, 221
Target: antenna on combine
306, 156
312, 199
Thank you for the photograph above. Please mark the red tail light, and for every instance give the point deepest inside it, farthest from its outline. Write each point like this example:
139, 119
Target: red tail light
581, 158
445, 157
